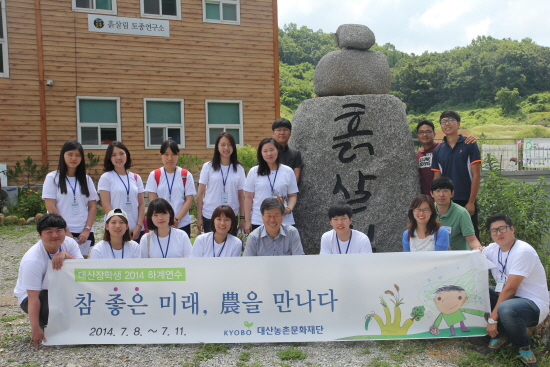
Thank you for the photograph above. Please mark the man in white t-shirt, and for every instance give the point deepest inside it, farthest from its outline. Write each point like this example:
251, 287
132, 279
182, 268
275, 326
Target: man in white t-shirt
520, 298
31, 289
342, 239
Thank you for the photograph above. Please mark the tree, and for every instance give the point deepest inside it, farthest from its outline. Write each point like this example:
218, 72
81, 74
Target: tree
508, 100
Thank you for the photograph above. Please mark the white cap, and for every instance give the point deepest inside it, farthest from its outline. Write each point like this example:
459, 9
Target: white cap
114, 212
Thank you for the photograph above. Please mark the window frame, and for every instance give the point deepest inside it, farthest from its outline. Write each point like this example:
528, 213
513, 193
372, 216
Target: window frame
224, 126
98, 125
4, 42
147, 126
113, 11
222, 21
160, 16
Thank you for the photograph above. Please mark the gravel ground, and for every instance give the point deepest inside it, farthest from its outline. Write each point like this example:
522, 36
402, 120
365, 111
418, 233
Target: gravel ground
15, 336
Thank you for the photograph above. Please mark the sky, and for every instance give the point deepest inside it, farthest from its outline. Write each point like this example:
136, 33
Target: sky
416, 26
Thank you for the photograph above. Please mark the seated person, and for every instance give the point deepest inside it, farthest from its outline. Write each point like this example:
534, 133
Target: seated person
424, 232
220, 242
273, 238
116, 243
342, 239
31, 289
453, 217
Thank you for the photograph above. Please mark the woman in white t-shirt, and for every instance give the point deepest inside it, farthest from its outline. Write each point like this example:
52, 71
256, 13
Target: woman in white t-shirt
219, 242
70, 193
116, 243
173, 184
120, 188
163, 240
266, 180
221, 182
424, 232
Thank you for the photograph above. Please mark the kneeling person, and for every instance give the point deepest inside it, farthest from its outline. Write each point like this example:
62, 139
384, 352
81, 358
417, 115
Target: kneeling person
342, 239
31, 289
273, 238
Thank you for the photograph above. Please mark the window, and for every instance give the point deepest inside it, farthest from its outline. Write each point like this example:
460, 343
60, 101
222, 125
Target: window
4, 64
98, 120
95, 6
163, 121
221, 11
164, 9
223, 116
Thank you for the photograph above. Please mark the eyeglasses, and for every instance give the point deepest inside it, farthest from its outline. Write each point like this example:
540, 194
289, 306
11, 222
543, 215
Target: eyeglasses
281, 130
418, 210
424, 132
501, 229
448, 121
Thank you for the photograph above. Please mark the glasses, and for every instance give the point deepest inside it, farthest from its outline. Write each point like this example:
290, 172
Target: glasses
448, 121
418, 210
424, 132
281, 130
501, 229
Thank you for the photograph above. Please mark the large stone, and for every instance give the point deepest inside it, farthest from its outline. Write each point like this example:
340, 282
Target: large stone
356, 36
351, 72
380, 176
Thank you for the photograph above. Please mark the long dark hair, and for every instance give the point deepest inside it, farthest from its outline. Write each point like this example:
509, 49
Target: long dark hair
107, 164
432, 226
216, 160
263, 167
80, 172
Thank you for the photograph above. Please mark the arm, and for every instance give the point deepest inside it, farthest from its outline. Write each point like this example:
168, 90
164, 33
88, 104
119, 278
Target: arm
240, 194
92, 211
249, 196
141, 213
442, 242
325, 244
200, 199
473, 242
405, 241
470, 139
105, 197
296, 243
476, 178
57, 260
437, 174
508, 292
37, 334
292, 198
151, 195
184, 209
297, 173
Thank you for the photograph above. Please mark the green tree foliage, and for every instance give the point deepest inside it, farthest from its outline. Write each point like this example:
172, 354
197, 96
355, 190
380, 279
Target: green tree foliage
533, 132
508, 100
28, 172
247, 157
296, 84
299, 45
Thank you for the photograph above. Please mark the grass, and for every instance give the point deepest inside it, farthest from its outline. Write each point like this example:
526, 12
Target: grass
207, 351
12, 318
291, 354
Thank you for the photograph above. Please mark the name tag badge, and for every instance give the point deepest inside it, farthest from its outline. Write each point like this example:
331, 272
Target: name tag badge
225, 198
128, 207
499, 286
274, 194
75, 209
449, 229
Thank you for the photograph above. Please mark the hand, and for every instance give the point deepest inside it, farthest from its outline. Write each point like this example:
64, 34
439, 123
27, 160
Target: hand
200, 224
241, 224
471, 208
83, 236
434, 330
135, 232
247, 227
470, 139
287, 210
37, 336
176, 223
492, 330
57, 260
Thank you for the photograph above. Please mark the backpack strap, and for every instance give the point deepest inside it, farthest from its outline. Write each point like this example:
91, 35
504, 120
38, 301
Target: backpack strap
184, 173
157, 176
148, 244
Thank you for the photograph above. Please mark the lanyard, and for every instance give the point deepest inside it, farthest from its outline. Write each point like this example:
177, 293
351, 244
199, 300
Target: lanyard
58, 251
275, 179
113, 252
224, 181
167, 246
507, 257
168, 183
126, 187
349, 242
73, 188
214, 252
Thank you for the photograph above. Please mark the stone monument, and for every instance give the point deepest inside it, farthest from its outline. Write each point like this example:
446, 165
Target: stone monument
356, 146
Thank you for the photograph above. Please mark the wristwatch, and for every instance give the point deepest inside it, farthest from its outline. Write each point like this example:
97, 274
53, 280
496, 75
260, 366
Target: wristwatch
491, 321
88, 227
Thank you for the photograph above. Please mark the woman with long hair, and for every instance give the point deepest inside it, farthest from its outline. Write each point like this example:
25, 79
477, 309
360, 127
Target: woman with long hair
120, 188
221, 182
220, 242
116, 243
269, 179
424, 232
71, 193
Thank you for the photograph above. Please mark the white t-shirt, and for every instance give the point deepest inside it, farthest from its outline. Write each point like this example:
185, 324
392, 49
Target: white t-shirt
284, 183
422, 244
117, 187
214, 187
179, 245
103, 250
203, 246
360, 244
34, 267
522, 260
75, 212
177, 199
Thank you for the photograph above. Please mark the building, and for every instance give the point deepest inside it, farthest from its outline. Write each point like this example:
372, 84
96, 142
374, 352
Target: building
139, 71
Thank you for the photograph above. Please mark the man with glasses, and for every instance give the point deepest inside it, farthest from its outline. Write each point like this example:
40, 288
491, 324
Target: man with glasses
520, 297
460, 162
282, 129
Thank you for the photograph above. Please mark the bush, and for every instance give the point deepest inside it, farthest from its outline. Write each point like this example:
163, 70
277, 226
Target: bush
30, 203
247, 157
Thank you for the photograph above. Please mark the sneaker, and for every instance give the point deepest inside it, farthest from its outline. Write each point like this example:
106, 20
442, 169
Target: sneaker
527, 357
495, 344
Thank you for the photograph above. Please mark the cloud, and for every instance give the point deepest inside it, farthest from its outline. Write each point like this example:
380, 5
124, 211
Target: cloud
479, 29
444, 12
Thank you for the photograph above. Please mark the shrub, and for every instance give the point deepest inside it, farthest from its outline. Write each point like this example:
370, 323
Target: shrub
30, 203
190, 162
247, 157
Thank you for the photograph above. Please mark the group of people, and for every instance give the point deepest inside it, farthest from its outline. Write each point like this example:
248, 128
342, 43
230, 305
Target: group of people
442, 218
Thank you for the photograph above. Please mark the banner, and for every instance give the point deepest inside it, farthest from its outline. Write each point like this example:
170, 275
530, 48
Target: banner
536, 153
269, 299
506, 154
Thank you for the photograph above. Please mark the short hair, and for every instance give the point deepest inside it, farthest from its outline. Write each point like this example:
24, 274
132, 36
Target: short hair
282, 122
272, 203
50, 220
107, 235
340, 209
496, 218
451, 114
169, 144
159, 205
442, 183
263, 168
228, 212
449, 288
425, 122
107, 164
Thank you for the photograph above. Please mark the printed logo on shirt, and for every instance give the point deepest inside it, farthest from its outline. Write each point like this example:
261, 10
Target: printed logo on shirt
426, 161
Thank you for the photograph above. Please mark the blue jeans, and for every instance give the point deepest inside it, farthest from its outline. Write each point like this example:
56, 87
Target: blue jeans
514, 316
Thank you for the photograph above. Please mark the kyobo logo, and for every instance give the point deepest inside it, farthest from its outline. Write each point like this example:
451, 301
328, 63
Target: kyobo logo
99, 23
